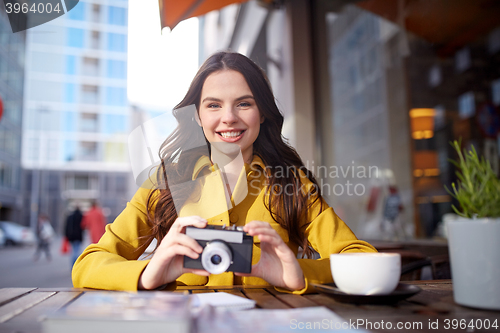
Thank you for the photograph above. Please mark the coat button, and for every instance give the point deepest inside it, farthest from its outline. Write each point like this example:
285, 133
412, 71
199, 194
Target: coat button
233, 217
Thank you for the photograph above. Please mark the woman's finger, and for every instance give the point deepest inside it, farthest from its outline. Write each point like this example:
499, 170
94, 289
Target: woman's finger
181, 239
183, 222
268, 239
189, 242
255, 224
184, 251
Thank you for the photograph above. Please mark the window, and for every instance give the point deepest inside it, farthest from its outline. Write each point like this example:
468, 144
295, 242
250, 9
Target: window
95, 41
90, 94
88, 151
70, 93
5, 175
117, 42
69, 150
90, 66
117, 16
116, 96
115, 152
115, 123
52, 150
69, 121
82, 182
96, 13
76, 37
77, 12
494, 41
34, 149
70, 64
495, 92
466, 105
435, 76
88, 122
462, 59
116, 69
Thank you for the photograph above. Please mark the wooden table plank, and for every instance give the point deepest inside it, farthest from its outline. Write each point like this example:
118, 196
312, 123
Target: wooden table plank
223, 287
202, 291
235, 291
19, 305
264, 299
30, 320
8, 294
294, 301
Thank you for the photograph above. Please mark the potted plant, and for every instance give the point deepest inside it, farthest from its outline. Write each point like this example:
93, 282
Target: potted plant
474, 238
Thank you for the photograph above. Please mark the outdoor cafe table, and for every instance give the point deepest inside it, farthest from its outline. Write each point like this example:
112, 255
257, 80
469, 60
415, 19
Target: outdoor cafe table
21, 308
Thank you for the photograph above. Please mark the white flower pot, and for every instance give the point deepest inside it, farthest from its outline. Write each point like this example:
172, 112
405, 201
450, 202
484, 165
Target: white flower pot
474, 246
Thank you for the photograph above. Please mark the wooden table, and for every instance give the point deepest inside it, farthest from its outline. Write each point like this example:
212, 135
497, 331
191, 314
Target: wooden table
20, 308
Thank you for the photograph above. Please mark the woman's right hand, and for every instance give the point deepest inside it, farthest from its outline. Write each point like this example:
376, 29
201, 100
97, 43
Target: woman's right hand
166, 265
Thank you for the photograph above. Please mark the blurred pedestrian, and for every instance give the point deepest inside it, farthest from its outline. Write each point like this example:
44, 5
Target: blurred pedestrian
74, 233
44, 234
94, 221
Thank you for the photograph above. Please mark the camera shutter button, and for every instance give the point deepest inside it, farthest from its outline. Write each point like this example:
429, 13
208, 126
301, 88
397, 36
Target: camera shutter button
233, 217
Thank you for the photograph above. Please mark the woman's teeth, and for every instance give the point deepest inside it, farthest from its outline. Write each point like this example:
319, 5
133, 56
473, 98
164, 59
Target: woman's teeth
230, 134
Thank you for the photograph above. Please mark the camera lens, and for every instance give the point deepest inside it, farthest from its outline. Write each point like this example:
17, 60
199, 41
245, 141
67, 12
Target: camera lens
216, 259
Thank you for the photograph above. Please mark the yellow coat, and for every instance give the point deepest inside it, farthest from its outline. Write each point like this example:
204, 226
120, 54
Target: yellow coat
112, 262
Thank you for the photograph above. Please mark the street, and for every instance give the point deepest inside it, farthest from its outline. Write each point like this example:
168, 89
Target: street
18, 269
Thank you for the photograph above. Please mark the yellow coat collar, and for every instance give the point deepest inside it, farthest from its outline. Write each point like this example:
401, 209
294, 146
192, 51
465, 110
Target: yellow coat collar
205, 162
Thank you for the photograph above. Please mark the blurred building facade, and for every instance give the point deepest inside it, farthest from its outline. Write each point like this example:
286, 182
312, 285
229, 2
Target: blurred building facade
76, 112
12, 48
372, 93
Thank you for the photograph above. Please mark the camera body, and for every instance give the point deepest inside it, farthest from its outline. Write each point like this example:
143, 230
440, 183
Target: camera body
225, 249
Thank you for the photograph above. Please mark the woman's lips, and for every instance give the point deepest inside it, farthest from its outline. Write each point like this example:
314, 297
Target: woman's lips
230, 136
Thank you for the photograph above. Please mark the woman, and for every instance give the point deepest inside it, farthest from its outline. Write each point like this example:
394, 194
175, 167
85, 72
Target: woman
283, 208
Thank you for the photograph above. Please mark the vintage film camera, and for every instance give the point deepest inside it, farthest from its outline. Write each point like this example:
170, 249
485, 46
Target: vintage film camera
224, 249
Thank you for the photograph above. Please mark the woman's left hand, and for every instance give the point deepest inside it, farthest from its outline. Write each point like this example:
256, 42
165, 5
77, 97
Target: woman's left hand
278, 265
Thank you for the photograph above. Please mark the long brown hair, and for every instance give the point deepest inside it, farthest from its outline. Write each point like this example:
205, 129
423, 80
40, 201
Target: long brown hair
286, 209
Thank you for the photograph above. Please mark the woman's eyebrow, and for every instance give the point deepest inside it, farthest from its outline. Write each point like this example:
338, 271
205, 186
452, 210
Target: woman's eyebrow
213, 99
244, 97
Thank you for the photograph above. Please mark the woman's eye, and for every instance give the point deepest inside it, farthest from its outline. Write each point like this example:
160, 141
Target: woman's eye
244, 104
213, 106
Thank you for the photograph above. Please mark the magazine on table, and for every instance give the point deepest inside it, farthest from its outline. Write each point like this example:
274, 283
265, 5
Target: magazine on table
111, 311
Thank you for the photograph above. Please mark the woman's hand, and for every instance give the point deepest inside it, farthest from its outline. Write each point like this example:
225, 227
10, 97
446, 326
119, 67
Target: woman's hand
278, 264
166, 265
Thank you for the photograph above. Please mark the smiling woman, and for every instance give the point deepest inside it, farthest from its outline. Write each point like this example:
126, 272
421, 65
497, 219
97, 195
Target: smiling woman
235, 107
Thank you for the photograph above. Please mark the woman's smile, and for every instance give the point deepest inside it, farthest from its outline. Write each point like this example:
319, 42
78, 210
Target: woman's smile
231, 135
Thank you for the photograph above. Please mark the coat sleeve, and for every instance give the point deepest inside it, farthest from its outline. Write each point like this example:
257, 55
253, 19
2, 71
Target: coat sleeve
113, 262
326, 234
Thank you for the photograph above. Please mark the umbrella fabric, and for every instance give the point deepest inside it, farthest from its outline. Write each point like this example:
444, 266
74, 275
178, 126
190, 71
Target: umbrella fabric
174, 11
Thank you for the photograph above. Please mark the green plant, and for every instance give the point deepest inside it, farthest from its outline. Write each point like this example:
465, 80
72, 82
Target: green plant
478, 188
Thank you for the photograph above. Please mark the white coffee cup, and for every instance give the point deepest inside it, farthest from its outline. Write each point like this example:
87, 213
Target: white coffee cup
366, 273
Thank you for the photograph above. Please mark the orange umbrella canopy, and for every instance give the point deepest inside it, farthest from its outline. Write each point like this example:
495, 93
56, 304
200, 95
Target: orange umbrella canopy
174, 11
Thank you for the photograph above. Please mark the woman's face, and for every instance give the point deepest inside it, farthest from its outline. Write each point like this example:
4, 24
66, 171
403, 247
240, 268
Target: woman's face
228, 112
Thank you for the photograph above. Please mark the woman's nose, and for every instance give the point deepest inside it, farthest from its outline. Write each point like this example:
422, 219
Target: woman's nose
229, 116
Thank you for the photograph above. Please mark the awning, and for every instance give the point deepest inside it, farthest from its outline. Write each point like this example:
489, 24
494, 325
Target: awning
174, 11
449, 24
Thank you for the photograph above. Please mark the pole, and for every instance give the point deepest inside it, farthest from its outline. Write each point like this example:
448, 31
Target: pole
35, 175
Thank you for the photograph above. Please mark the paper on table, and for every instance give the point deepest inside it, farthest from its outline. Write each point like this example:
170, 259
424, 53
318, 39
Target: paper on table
222, 300
312, 319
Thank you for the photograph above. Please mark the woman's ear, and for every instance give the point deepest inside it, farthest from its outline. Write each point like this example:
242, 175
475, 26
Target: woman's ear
262, 119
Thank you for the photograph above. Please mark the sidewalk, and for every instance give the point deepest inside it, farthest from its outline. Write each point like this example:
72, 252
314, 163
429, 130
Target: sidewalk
19, 269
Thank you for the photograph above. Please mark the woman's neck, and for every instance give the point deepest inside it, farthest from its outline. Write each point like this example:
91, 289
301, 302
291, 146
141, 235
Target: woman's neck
230, 161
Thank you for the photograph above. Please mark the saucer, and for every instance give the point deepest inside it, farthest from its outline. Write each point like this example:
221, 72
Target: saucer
401, 292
